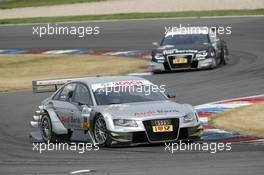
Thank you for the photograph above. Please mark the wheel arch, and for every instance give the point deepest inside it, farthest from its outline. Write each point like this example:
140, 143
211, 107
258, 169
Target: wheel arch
56, 124
98, 114
93, 117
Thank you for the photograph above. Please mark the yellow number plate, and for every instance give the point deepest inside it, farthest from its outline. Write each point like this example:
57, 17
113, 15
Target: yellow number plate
180, 61
162, 128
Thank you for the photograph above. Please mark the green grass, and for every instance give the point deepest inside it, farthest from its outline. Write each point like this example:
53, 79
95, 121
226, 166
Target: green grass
18, 71
133, 16
32, 3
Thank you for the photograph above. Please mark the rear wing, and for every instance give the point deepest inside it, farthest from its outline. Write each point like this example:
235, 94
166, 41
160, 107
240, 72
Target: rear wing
39, 86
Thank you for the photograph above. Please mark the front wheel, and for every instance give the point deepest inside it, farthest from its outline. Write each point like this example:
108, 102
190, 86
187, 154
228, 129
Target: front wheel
214, 59
214, 63
101, 134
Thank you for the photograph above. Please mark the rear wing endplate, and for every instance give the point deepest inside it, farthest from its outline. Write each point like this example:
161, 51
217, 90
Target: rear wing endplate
39, 86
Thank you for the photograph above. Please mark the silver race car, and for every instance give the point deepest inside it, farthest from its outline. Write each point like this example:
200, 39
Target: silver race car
114, 110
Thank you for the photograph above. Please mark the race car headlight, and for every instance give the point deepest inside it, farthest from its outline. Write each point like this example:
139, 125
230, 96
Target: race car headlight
189, 117
201, 55
159, 57
125, 123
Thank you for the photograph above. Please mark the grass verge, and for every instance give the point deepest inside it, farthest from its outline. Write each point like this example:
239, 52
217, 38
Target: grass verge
247, 120
33, 3
18, 71
134, 16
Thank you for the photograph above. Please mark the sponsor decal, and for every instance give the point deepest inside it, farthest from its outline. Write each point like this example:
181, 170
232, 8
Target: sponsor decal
119, 107
161, 111
180, 60
128, 83
173, 51
85, 125
120, 83
70, 119
162, 128
144, 113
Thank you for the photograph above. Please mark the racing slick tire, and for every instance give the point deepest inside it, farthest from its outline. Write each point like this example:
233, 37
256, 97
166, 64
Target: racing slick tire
47, 133
101, 134
215, 63
223, 56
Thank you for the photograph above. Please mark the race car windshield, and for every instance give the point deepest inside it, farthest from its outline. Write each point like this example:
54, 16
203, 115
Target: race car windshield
185, 39
127, 94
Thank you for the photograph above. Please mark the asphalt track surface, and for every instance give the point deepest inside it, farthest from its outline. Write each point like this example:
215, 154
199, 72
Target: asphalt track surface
243, 76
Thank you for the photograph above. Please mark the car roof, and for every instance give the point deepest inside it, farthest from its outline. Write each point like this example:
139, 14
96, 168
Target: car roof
188, 31
106, 79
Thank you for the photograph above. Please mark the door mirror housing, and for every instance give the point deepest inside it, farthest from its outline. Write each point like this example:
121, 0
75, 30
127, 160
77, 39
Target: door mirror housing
86, 111
81, 103
155, 44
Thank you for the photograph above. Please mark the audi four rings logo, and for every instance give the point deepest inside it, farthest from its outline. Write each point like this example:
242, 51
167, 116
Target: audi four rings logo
161, 122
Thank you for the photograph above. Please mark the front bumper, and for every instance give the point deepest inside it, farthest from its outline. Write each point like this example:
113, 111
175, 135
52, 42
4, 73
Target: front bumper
196, 64
141, 137
157, 67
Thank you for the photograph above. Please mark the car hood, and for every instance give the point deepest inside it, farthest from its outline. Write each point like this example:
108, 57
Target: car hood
144, 110
193, 48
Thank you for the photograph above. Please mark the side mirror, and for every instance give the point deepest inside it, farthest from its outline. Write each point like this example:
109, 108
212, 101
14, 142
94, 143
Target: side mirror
82, 102
86, 111
171, 95
155, 44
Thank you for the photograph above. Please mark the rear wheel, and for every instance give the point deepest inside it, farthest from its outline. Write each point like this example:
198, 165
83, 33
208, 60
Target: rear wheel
101, 134
46, 129
47, 132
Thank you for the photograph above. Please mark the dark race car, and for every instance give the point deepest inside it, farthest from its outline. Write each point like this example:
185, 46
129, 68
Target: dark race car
199, 49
